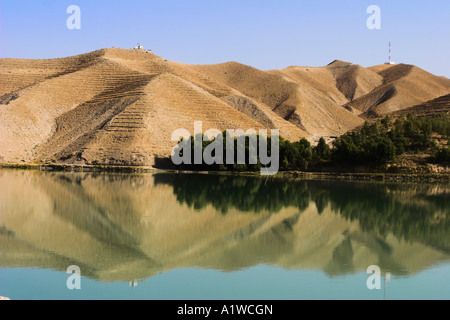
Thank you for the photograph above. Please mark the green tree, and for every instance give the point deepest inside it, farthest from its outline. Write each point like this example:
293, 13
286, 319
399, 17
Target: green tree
321, 151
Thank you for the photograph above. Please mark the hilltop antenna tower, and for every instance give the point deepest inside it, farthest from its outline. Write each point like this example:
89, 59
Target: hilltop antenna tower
389, 61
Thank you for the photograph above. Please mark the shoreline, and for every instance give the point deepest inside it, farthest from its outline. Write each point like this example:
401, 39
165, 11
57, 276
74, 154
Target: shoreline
305, 175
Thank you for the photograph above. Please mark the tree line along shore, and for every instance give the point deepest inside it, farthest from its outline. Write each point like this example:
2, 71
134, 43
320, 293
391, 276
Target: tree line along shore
376, 146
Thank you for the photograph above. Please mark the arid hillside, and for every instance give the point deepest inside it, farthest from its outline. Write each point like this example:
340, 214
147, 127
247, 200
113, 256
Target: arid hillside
438, 105
403, 86
119, 107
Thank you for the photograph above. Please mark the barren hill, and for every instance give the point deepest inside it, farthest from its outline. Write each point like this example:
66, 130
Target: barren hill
119, 106
403, 86
353, 80
431, 107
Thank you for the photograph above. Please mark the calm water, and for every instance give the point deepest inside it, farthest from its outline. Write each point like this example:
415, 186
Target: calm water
186, 236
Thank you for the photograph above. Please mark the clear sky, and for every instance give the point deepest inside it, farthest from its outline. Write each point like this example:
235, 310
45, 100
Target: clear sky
260, 33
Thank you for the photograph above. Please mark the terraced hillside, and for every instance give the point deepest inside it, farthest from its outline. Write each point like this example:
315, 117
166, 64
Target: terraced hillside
119, 107
435, 106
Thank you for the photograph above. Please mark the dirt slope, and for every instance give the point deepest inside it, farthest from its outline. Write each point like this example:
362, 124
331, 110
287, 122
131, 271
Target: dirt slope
431, 107
353, 80
119, 106
403, 86
290, 95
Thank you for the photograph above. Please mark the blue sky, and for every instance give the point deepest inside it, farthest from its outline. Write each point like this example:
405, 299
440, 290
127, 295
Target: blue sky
260, 33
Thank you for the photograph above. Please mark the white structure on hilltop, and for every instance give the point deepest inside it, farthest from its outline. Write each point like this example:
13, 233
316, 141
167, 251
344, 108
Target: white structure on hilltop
139, 47
389, 61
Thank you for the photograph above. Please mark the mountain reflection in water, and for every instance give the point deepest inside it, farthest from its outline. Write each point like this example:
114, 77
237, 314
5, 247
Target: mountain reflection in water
120, 227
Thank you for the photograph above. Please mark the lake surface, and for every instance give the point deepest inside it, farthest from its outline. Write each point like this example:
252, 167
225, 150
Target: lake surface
194, 236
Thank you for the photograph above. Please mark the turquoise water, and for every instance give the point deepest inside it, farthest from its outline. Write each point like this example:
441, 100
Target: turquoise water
174, 236
259, 282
